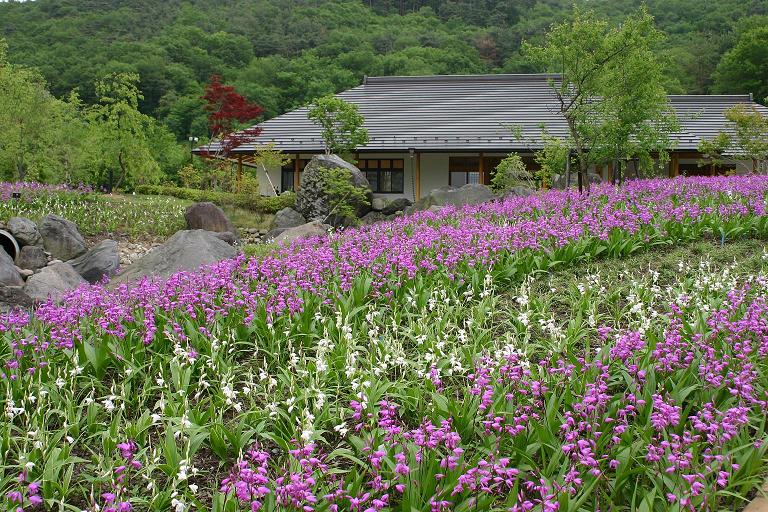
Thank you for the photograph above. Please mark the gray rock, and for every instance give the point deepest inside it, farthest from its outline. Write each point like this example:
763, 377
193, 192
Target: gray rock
24, 231
396, 205
378, 203
308, 230
185, 250
9, 276
287, 218
61, 238
13, 298
53, 282
468, 194
102, 260
373, 217
31, 257
209, 217
227, 236
519, 191
25, 273
311, 199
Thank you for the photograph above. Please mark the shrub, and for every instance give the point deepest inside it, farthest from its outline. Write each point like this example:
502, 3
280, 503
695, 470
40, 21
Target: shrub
510, 173
251, 202
343, 196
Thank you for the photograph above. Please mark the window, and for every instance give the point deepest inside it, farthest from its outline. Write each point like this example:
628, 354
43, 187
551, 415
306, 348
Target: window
287, 176
386, 176
463, 170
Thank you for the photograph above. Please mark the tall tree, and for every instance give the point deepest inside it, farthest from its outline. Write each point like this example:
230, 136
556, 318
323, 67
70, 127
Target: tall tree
26, 109
340, 122
122, 132
609, 90
744, 68
227, 110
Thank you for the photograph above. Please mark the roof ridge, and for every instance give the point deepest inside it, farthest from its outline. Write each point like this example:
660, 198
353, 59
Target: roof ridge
488, 77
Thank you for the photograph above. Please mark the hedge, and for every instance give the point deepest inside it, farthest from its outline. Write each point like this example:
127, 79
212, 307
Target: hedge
261, 204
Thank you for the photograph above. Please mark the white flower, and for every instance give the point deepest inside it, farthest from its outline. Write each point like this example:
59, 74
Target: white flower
306, 435
193, 488
341, 428
60, 383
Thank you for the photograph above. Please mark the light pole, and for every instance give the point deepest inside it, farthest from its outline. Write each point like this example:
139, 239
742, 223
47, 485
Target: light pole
192, 140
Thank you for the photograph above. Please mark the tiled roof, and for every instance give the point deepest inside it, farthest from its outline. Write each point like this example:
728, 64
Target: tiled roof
471, 113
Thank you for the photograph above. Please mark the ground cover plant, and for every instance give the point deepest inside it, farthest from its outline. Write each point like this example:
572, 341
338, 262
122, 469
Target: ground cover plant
134, 215
509, 356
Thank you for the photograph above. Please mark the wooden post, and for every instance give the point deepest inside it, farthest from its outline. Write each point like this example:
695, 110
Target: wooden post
610, 172
417, 178
481, 170
239, 173
296, 180
674, 165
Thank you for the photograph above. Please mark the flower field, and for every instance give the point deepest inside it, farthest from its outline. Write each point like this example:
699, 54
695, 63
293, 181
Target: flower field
554, 352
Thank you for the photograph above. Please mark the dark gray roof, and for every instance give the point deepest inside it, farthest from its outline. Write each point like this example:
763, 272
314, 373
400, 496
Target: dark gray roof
471, 113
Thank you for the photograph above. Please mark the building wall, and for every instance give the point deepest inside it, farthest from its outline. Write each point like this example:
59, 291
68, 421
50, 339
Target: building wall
435, 173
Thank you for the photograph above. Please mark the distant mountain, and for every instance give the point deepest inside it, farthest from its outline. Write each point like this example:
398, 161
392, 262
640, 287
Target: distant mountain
283, 53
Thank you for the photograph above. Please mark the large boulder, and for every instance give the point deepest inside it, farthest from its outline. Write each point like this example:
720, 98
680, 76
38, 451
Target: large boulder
372, 218
24, 231
287, 218
519, 191
185, 250
396, 205
468, 194
31, 257
313, 202
13, 298
308, 230
9, 276
53, 282
61, 238
209, 217
102, 260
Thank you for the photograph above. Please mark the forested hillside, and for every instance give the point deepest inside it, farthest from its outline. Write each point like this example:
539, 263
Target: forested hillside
282, 53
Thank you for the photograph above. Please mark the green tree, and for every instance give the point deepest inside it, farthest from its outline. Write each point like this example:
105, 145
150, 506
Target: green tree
340, 123
744, 68
609, 92
122, 132
747, 139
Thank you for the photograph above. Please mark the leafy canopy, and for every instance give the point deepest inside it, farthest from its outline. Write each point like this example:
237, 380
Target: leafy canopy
340, 123
610, 92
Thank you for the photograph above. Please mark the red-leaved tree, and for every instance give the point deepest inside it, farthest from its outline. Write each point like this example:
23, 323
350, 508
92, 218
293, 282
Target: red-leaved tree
226, 110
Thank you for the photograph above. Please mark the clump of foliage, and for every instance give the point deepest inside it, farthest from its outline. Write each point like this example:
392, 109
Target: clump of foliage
552, 159
343, 196
123, 133
748, 139
617, 64
248, 201
341, 125
510, 173
110, 143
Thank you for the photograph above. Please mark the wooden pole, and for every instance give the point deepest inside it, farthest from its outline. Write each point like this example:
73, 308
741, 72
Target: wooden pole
296, 180
674, 165
610, 173
417, 179
481, 170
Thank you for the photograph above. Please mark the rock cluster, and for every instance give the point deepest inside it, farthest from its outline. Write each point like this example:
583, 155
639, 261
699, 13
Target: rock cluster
52, 260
